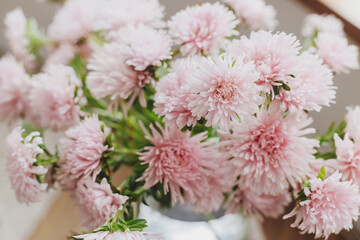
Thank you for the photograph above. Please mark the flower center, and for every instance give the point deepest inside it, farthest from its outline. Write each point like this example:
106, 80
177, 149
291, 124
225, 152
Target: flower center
225, 91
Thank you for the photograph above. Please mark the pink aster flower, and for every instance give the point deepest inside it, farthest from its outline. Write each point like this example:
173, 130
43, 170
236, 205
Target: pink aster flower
255, 13
224, 90
270, 151
97, 202
63, 54
115, 14
106, 235
203, 28
20, 158
75, 20
259, 205
143, 46
183, 164
173, 94
348, 158
311, 88
336, 52
275, 56
53, 103
322, 23
353, 123
15, 30
111, 76
80, 152
14, 86
331, 206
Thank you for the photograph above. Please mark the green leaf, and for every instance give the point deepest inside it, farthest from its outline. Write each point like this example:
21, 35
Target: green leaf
79, 65
37, 39
160, 72
322, 173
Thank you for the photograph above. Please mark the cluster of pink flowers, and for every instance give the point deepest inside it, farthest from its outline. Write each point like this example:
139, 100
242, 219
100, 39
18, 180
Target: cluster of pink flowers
203, 28
14, 86
270, 151
255, 14
330, 206
187, 166
208, 118
20, 163
97, 202
81, 151
331, 44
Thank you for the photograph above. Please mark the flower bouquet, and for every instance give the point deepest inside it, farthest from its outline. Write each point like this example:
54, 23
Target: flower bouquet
203, 116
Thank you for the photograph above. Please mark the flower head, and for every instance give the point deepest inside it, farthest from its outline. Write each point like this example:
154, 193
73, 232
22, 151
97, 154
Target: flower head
336, 53
21, 155
330, 206
173, 94
106, 235
15, 32
322, 23
260, 205
185, 166
14, 84
97, 202
270, 151
143, 46
348, 158
311, 88
75, 20
275, 56
202, 28
111, 76
353, 123
115, 14
224, 89
255, 13
54, 99
80, 152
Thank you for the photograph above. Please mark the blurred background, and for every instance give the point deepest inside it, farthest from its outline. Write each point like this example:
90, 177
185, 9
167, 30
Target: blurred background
55, 217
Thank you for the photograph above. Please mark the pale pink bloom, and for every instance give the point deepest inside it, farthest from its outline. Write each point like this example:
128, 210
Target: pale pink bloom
348, 158
330, 207
143, 46
115, 14
255, 13
81, 151
97, 202
173, 94
20, 158
321, 23
74, 20
14, 86
311, 88
203, 28
184, 164
353, 123
336, 52
63, 54
106, 235
258, 205
111, 77
270, 151
275, 56
15, 32
224, 89
53, 103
